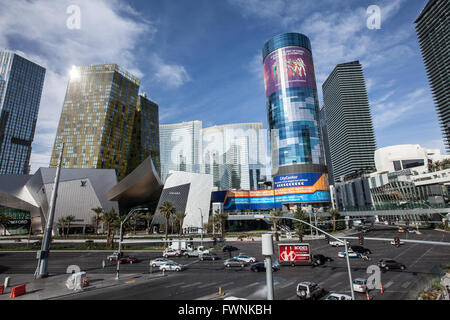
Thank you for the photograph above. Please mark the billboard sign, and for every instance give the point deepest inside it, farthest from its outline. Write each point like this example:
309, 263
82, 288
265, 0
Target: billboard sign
294, 253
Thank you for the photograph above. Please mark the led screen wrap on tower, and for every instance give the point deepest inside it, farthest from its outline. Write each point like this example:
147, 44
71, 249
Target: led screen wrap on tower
287, 68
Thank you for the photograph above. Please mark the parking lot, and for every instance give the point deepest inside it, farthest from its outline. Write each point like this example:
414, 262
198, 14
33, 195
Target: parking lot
202, 279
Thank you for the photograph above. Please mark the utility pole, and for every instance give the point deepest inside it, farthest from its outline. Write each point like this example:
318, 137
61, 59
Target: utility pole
42, 255
201, 222
267, 251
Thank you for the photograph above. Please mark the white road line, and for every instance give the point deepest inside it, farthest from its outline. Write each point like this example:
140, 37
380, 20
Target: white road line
290, 283
406, 284
191, 285
387, 285
253, 284
207, 285
227, 284
421, 257
175, 284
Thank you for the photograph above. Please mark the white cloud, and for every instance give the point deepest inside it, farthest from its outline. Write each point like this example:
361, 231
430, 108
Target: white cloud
110, 33
171, 75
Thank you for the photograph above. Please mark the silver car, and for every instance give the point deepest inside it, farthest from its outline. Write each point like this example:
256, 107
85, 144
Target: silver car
171, 266
233, 262
158, 262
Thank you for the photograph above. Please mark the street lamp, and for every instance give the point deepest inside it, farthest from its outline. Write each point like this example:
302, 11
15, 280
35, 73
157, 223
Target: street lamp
201, 224
120, 237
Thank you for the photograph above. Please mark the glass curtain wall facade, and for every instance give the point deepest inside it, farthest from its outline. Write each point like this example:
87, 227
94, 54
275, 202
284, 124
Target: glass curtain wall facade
145, 141
97, 119
21, 83
351, 136
298, 168
235, 155
432, 27
180, 147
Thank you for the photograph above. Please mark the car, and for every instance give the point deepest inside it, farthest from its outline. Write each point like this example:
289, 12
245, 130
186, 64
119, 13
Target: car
387, 264
208, 256
361, 249
158, 262
128, 259
233, 262
401, 230
337, 243
411, 230
360, 285
261, 267
171, 253
309, 290
229, 248
191, 253
351, 254
320, 259
246, 258
171, 266
114, 256
400, 242
338, 296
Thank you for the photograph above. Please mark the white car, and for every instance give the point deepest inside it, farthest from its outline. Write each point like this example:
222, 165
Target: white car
171, 253
171, 266
337, 243
400, 242
338, 296
246, 258
360, 285
351, 254
159, 262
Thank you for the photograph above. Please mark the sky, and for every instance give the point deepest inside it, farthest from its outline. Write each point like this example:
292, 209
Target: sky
202, 59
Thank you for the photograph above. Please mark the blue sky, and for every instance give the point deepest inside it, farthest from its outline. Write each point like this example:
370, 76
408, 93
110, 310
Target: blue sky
201, 59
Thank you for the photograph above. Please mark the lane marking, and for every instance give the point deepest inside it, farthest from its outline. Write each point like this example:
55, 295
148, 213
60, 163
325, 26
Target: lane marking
253, 284
406, 284
175, 284
207, 285
387, 285
290, 283
191, 285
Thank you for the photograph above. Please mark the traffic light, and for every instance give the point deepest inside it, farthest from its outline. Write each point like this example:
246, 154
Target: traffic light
327, 238
397, 241
407, 222
361, 239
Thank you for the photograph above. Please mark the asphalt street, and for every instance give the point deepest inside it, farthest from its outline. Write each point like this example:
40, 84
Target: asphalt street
202, 279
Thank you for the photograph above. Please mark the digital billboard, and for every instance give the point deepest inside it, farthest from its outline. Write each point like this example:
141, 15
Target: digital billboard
288, 67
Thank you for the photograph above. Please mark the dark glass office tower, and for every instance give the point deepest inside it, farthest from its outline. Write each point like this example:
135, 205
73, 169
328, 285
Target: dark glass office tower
351, 136
21, 83
433, 30
298, 169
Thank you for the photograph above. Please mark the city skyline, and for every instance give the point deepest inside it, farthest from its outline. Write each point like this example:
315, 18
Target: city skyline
183, 63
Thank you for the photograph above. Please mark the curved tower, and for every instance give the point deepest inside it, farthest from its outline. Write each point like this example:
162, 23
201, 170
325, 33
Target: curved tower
298, 169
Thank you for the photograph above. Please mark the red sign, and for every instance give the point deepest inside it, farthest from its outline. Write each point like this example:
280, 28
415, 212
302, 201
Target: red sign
294, 252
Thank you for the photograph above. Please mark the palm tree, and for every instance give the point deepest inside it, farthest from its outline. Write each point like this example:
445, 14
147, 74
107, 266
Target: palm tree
334, 216
301, 227
180, 215
98, 216
148, 217
62, 224
4, 222
108, 218
167, 209
222, 217
69, 220
276, 221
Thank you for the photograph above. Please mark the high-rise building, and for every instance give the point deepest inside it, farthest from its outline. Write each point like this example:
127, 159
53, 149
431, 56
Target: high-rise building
298, 169
235, 154
351, 136
180, 147
21, 83
145, 140
326, 146
433, 30
101, 110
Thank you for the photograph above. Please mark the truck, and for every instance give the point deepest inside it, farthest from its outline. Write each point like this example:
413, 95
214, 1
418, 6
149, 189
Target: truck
195, 253
294, 254
181, 245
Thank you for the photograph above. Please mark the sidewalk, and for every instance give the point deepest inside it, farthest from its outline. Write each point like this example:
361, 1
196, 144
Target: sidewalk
54, 286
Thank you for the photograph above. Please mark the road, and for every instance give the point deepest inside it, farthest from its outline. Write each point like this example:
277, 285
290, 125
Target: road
202, 279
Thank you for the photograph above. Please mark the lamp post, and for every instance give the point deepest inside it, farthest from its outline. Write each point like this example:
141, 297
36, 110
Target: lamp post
201, 222
267, 251
120, 237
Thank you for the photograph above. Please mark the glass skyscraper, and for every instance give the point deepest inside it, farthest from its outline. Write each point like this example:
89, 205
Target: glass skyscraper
235, 154
298, 169
351, 137
21, 83
101, 111
180, 147
433, 30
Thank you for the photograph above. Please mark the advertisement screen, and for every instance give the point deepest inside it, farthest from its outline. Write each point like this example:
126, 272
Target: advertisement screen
294, 252
287, 68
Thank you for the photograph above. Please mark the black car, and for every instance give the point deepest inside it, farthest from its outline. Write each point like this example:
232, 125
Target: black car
260, 267
229, 248
208, 256
320, 259
360, 249
387, 264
